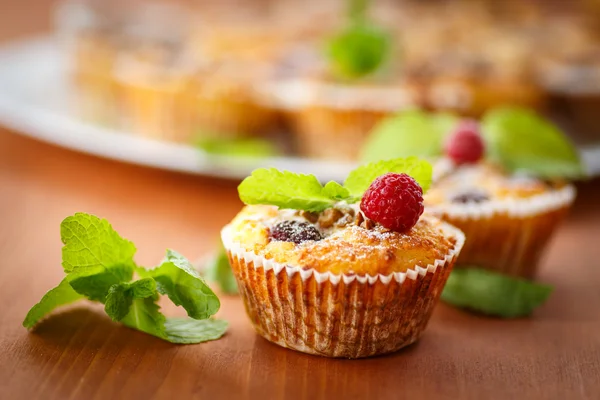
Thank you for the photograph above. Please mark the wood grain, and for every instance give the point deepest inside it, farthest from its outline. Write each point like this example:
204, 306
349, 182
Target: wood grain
80, 354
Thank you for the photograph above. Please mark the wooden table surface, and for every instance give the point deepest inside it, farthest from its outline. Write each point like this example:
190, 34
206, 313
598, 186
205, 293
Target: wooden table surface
79, 353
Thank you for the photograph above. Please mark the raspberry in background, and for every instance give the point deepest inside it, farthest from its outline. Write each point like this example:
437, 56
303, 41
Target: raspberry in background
465, 145
393, 200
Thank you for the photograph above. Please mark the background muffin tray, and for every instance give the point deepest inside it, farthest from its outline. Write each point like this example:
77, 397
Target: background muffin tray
36, 100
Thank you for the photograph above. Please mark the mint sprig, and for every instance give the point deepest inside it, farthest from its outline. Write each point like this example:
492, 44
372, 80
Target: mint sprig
304, 192
61, 295
411, 133
361, 47
360, 179
494, 294
359, 50
285, 189
100, 267
521, 140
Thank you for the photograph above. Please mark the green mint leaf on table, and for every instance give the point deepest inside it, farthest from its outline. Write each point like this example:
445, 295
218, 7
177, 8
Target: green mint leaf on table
521, 140
493, 293
61, 295
285, 190
361, 178
181, 282
99, 266
121, 296
243, 147
92, 245
359, 50
410, 133
144, 315
95, 287
304, 192
218, 270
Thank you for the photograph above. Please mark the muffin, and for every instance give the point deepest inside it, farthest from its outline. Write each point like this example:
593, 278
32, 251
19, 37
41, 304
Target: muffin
330, 118
502, 180
233, 51
151, 83
335, 282
91, 34
336, 118
507, 219
223, 99
94, 53
360, 291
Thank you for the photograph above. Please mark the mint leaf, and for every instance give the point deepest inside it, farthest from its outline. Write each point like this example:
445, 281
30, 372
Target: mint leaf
91, 245
179, 280
411, 133
121, 296
118, 302
144, 315
99, 265
95, 287
493, 293
361, 178
285, 190
359, 50
244, 147
304, 192
185, 330
218, 270
143, 288
334, 190
521, 140
61, 295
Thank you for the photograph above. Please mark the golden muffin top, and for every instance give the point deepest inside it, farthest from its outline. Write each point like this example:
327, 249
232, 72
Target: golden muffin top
482, 182
341, 240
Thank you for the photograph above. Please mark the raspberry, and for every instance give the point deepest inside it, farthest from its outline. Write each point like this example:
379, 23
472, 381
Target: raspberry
295, 231
393, 200
465, 145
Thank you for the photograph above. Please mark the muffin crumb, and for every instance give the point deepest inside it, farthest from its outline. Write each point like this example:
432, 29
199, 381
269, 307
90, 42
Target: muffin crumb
359, 218
310, 216
330, 217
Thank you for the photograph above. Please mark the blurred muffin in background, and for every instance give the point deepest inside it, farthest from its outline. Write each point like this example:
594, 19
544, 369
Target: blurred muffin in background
233, 50
338, 86
151, 73
569, 69
337, 117
469, 60
223, 100
91, 33
151, 82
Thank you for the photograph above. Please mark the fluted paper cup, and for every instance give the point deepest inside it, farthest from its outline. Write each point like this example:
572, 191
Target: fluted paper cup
332, 315
507, 235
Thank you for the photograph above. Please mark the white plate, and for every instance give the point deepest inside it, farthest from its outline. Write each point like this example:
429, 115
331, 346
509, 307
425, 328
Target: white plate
34, 101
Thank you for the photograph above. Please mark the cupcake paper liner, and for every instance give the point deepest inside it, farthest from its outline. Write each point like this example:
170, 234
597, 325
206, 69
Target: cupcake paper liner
333, 315
154, 112
227, 116
507, 236
332, 121
331, 133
